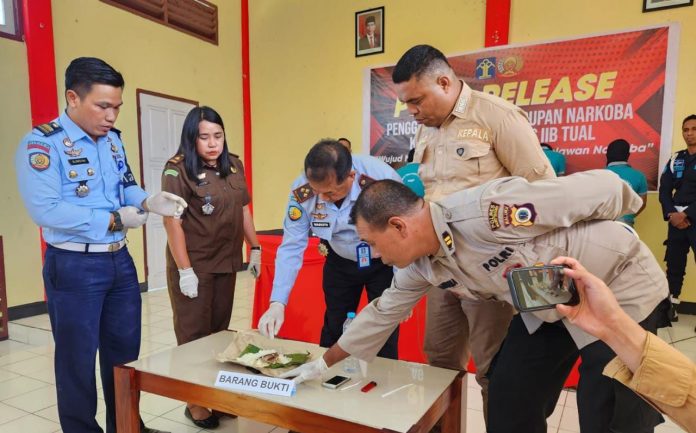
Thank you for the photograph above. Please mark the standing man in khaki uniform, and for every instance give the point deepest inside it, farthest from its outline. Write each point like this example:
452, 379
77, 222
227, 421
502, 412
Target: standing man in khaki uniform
465, 138
467, 242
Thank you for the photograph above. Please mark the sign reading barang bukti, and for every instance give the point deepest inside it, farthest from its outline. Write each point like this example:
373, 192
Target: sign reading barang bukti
579, 94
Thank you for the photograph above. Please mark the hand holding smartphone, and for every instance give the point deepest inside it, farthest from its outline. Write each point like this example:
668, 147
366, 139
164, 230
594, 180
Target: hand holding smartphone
541, 287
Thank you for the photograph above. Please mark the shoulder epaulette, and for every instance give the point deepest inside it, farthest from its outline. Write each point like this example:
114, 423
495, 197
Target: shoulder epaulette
303, 193
364, 180
117, 131
48, 129
176, 158
234, 155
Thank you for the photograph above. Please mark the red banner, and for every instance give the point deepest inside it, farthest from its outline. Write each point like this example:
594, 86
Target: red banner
579, 94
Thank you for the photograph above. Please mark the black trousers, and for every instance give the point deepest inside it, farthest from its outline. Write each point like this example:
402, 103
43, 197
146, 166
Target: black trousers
527, 376
678, 244
343, 284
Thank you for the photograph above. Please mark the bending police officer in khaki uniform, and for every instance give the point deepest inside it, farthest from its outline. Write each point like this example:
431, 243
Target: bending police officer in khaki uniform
465, 138
467, 242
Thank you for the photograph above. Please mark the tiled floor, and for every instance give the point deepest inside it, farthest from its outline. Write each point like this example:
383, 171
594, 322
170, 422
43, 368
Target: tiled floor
28, 394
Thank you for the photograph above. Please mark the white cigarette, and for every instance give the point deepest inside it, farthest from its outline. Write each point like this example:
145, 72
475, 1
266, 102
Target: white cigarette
352, 386
387, 394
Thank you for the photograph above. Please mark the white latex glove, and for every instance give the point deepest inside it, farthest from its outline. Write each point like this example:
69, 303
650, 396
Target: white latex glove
166, 204
272, 320
309, 371
188, 282
255, 263
132, 217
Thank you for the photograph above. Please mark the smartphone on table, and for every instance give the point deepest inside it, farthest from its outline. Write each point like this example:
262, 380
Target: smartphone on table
541, 287
335, 382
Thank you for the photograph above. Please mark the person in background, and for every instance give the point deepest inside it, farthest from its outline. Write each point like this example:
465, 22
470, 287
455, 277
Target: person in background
409, 175
344, 141
75, 181
464, 138
557, 160
644, 363
320, 201
618, 152
204, 244
677, 197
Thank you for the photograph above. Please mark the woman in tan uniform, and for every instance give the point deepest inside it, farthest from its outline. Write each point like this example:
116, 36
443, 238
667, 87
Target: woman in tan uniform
204, 250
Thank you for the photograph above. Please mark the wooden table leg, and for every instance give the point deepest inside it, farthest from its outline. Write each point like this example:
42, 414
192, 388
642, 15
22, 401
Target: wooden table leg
452, 418
127, 400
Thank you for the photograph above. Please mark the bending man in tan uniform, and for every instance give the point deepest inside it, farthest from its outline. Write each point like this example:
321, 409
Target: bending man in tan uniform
466, 138
465, 244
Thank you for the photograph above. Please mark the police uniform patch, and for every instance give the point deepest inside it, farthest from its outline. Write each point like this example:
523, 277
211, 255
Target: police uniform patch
39, 161
319, 216
365, 180
519, 215
48, 129
447, 284
303, 193
493, 221
447, 239
498, 259
176, 158
460, 151
171, 172
73, 152
461, 105
37, 145
294, 213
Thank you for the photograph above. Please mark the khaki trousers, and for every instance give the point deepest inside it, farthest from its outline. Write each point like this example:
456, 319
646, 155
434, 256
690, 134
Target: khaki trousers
456, 328
206, 314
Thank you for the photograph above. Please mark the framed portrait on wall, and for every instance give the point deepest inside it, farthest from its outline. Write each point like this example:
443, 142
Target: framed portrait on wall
656, 5
369, 32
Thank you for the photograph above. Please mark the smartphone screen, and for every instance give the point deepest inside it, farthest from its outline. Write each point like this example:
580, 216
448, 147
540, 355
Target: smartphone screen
541, 287
335, 381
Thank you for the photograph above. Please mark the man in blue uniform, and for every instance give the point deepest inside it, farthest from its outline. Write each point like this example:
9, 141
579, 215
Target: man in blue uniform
618, 152
677, 197
75, 181
321, 201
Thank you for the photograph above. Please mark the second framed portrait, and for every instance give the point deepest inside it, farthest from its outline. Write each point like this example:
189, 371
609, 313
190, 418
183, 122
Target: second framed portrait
369, 32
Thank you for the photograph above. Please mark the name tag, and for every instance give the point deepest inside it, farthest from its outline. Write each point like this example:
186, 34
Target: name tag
255, 383
78, 161
320, 224
362, 252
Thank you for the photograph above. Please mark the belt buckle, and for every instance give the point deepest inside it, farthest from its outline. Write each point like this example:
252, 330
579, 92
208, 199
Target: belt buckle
114, 246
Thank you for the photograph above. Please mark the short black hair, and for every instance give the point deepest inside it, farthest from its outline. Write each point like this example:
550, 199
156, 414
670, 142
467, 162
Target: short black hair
416, 61
689, 117
618, 150
382, 200
83, 72
370, 19
189, 138
326, 157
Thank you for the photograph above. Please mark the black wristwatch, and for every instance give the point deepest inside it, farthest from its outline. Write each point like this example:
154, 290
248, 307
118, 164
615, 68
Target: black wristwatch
117, 225
256, 248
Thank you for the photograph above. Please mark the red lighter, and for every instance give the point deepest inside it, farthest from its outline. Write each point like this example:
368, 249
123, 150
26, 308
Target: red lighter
369, 386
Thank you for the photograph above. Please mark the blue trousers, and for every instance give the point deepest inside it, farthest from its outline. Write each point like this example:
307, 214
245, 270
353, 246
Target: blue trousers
93, 303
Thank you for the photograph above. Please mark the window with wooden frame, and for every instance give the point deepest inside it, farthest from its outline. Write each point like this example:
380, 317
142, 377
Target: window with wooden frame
11, 19
197, 18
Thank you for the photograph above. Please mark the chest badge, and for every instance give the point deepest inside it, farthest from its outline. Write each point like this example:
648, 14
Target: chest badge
73, 152
208, 207
68, 143
82, 189
460, 151
233, 169
90, 172
72, 174
323, 249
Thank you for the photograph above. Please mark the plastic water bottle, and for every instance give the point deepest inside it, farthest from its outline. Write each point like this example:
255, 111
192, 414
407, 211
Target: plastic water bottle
350, 364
